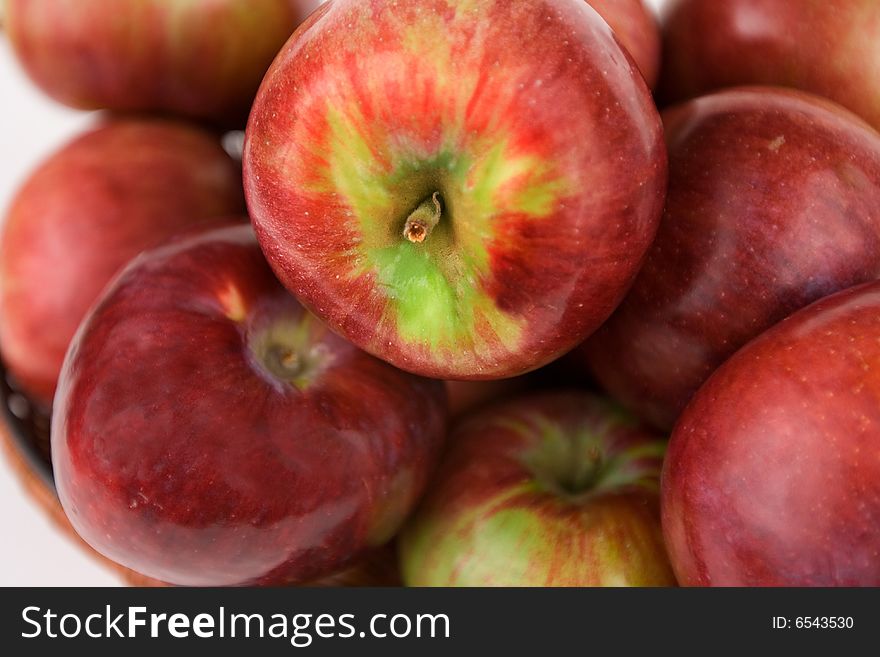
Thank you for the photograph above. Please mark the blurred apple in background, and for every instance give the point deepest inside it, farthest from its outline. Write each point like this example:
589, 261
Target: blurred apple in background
114, 191
466, 194
636, 26
554, 489
199, 58
773, 473
210, 431
828, 47
773, 202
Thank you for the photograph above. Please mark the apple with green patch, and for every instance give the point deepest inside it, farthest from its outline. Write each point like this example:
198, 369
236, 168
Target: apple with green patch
557, 489
464, 189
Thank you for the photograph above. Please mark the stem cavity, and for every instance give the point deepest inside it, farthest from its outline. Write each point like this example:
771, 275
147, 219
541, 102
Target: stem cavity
284, 362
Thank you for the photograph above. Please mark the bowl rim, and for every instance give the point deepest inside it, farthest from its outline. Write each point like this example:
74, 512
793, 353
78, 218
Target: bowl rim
20, 434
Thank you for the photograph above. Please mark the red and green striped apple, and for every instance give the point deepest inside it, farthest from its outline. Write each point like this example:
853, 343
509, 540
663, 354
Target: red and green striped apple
558, 489
203, 59
464, 189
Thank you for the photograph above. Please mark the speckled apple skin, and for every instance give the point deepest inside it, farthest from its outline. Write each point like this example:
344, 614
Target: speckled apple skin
530, 120
772, 477
199, 58
179, 456
773, 203
124, 186
827, 47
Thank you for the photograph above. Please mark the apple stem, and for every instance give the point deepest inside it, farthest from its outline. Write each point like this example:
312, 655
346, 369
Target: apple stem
423, 219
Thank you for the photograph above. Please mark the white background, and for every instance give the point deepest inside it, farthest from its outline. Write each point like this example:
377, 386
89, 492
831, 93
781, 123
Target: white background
32, 552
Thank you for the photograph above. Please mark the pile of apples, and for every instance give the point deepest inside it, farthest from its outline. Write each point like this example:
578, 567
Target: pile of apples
260, 372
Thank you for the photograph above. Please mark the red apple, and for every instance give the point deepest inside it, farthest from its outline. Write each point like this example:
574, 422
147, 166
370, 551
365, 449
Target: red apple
828, 47
463, 189
773, 202
199, 58
773, 472
114, 191
210, 431
635, 26
556, 489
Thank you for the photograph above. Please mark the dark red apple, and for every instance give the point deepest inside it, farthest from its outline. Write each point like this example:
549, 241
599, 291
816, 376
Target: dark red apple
828, 47
199, 58
463, 189
773, 473
555, 489
636, 27
210, 431
774, 202
122, 187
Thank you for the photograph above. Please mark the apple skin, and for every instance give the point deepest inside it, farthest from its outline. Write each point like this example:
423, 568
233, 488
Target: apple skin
773, 473
535, 129
210, 431
636, 27
121, 187
828, 48
772, 204
520, 500
198, 58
